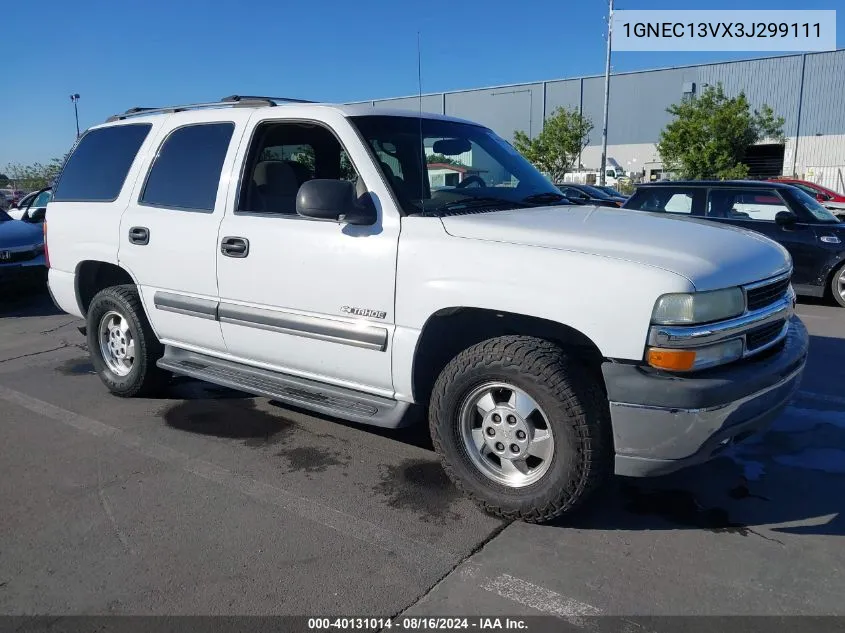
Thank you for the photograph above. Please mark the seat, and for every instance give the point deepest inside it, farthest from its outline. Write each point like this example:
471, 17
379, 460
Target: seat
300, 171
277, 185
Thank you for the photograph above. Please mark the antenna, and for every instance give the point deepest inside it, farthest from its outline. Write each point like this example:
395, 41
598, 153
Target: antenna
423, 169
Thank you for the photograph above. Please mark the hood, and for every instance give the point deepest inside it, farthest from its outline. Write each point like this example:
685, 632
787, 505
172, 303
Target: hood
15, 233
711, 256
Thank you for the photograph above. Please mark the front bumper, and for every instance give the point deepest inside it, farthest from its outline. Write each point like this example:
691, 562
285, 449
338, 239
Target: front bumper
664, 422
34, 270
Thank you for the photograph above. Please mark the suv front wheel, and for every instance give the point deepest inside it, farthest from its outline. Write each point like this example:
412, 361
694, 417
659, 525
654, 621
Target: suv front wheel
521, 428
123, 347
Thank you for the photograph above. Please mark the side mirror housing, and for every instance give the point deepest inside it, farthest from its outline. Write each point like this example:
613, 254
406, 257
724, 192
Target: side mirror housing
785, 218
336, 201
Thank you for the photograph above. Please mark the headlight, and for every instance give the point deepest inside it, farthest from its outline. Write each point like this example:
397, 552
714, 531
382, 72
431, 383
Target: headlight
695, 358
698, 307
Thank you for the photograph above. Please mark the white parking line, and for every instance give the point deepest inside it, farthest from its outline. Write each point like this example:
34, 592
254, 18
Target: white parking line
344, 523
537, 597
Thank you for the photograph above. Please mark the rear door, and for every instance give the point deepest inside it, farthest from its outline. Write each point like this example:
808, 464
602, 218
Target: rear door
168, 233
755, 209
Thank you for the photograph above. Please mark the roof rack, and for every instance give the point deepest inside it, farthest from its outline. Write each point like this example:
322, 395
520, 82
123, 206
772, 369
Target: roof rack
232, 101
238, 98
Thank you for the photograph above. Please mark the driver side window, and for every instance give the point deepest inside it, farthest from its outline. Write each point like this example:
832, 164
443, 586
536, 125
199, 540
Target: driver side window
285, 155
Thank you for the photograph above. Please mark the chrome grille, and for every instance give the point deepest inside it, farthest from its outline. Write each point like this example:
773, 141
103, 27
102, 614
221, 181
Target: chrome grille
766, 294
761, 336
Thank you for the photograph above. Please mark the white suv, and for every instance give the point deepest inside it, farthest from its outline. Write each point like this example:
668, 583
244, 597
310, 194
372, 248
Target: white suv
298, 251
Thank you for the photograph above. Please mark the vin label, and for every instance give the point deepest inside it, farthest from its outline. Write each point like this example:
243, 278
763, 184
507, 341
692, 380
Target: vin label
755, 30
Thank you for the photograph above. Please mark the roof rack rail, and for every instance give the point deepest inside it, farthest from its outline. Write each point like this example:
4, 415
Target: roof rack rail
233, 102
237, 98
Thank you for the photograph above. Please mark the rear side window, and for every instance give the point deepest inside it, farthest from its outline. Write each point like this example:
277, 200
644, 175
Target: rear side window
97, 169
669, 200
186, 171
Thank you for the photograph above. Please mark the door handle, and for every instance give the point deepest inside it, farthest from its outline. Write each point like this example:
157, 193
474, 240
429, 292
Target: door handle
139, 235
234, 246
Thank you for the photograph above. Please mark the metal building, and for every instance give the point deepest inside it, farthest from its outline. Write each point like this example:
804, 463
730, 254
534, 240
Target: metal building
806, 90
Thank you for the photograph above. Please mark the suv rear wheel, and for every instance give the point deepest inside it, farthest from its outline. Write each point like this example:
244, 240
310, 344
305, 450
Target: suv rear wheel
121, 342
521, 428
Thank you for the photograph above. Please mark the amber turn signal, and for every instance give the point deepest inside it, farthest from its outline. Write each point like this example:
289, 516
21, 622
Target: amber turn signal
671, 359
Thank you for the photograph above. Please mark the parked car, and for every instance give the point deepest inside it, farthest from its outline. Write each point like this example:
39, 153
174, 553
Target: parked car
611, 191
9, 198
814, 237
21, 251
828, 197
587, 194
32, 207
550, 348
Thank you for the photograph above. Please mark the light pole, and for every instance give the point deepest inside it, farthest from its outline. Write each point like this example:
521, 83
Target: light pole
74, 98
606, 96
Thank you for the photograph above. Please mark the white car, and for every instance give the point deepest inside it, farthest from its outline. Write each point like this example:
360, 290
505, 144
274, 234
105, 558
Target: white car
30, 205
297, 251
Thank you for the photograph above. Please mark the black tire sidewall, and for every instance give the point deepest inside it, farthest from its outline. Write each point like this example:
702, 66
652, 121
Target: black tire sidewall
104, 302
560, 486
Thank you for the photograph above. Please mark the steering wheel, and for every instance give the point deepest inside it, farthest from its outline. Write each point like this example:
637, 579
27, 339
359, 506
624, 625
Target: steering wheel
469, 180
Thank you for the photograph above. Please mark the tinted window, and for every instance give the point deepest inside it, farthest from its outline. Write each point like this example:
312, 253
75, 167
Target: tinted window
97, 169
668, 200
747, 204
820, 213
186, 172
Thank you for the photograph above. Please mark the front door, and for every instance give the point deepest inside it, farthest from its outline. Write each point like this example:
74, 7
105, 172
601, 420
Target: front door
168, 233
307, 297
755, 209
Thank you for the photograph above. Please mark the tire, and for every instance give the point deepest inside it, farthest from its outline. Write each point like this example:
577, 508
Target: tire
569, 402
122, 305
837, 286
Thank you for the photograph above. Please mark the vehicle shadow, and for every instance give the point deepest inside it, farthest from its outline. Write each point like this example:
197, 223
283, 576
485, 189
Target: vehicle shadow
792, 477
26, 301
824, 372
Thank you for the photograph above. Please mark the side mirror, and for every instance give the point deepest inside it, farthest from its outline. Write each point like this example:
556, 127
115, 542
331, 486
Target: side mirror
334, 200
785, 218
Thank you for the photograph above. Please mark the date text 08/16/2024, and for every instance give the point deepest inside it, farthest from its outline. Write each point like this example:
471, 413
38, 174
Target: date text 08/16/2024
418, 624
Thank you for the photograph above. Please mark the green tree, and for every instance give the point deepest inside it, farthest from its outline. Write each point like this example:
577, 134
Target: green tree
711, 133
556, 148
442, 159
34, 176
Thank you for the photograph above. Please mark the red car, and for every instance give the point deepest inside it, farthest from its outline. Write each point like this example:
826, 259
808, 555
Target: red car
829, 198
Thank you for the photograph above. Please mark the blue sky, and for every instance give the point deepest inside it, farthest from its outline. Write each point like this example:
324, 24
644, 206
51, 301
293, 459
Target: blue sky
157, 52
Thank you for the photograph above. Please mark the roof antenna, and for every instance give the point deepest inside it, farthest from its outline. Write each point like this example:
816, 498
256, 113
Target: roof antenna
423, 169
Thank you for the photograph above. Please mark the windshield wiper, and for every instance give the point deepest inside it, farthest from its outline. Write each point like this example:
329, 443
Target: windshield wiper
473, 203
546, 196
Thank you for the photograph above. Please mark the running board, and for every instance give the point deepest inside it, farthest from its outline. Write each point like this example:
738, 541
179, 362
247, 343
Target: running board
340, 402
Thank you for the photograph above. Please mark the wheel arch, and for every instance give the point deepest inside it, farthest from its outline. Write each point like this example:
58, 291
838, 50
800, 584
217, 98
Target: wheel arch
92, 276
451, 330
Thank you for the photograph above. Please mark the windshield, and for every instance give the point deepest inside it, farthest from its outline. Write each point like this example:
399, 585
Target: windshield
812, 205
612, 192
465, 165
595, 192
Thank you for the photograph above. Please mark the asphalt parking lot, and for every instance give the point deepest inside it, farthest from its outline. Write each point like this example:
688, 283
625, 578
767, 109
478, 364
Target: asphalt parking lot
209, 501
